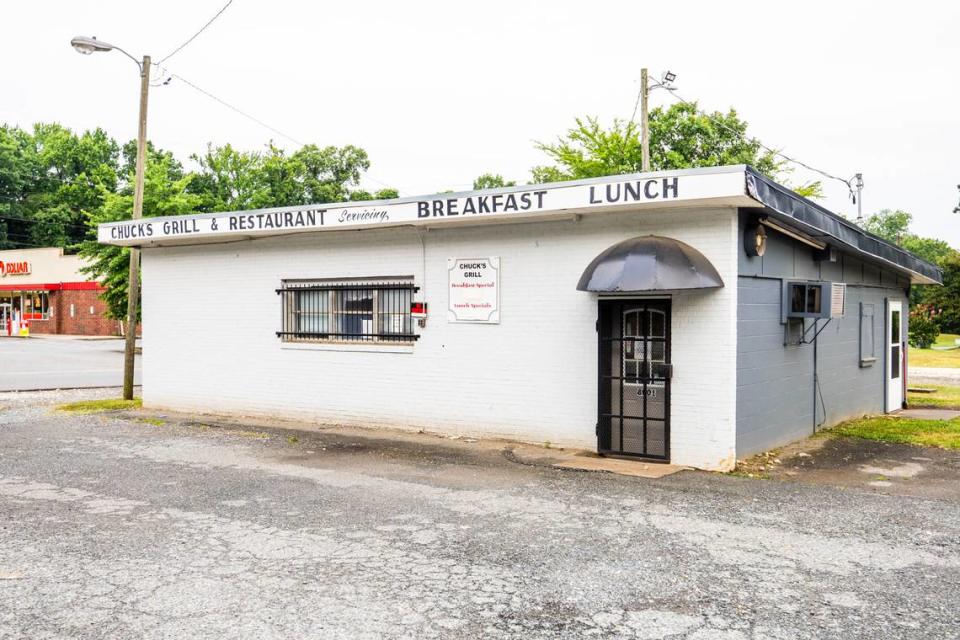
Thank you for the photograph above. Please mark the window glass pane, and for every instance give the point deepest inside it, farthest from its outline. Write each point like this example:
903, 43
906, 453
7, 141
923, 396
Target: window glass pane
895, 327
797, 298
631, 323
895, 362
355, 317
658, 351
393, 308
312, 311
657, 324
813, 299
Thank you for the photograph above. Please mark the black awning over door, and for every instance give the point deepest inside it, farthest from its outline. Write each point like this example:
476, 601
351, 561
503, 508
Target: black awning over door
649, 263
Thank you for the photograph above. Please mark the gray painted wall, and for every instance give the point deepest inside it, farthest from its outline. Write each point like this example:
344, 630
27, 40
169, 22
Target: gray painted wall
775, 387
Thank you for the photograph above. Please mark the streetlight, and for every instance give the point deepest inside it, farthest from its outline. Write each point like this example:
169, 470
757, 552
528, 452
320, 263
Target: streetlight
87, 46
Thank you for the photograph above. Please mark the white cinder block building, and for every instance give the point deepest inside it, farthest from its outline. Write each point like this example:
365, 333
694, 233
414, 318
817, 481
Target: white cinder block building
663, 315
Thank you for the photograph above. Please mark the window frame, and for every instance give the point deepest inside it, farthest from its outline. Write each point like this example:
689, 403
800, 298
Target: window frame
31, 297
336, 323
867, 341
823, 297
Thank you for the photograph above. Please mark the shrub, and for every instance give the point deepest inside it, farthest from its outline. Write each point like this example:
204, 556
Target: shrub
923, 326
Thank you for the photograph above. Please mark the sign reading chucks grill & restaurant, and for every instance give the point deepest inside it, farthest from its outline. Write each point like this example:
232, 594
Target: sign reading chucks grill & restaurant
519, 202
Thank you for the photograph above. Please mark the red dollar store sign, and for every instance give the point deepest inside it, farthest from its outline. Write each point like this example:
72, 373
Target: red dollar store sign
14, 268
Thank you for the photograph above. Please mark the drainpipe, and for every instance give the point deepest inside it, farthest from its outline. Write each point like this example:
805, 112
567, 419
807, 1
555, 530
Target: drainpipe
815, 381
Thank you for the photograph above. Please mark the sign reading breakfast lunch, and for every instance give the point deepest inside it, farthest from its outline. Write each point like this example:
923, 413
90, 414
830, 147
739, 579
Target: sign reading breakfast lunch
442, 209
474, 290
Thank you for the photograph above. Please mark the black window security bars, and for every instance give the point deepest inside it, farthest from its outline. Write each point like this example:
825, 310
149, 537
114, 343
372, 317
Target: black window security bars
352, 312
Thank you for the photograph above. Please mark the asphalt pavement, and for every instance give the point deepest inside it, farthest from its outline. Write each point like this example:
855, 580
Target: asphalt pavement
948, 376
61, 363
128, 527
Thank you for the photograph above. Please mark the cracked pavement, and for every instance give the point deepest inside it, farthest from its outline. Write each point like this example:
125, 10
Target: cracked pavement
114, 527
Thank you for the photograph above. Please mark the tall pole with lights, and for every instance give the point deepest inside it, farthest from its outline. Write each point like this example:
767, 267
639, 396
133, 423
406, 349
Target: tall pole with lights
665, 82
87, 46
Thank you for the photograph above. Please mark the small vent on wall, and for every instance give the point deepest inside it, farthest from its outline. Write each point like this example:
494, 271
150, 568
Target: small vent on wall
838, 299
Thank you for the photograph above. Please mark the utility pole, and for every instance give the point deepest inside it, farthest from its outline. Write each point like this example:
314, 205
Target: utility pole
87, 46
859, 185
133, 287
644, 121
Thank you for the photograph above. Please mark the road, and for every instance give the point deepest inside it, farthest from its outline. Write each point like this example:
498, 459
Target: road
114, 527
948, 376
61, 363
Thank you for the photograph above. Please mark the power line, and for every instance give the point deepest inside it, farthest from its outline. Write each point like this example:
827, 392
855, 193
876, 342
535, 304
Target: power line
236, 109
72, 225
255, 119
24, 244
194, 36
847, 182
636, 104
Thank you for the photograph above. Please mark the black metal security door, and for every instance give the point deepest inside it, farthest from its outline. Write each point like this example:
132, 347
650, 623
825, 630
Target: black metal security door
634, 384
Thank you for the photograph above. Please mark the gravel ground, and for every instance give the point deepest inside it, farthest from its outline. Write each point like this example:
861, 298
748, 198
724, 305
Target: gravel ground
115, 527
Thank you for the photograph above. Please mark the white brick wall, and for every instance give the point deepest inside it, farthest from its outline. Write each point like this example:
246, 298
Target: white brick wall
210, 313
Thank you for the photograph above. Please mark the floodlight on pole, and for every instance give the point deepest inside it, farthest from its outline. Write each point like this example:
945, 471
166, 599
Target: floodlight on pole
645, 88
87, 46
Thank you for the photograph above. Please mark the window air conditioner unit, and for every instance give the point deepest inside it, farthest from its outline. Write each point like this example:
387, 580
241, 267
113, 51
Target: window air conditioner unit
813, 299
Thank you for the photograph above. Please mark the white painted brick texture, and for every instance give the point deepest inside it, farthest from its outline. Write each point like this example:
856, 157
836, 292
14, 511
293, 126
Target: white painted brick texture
211, 312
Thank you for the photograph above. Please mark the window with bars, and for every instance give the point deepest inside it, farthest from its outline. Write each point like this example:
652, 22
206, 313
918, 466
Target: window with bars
352, 311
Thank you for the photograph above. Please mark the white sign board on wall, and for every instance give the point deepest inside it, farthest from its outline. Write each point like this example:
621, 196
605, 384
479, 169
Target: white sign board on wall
647, 190
474, 290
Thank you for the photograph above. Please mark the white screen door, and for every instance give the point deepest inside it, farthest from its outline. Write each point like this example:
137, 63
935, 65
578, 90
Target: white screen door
894, 346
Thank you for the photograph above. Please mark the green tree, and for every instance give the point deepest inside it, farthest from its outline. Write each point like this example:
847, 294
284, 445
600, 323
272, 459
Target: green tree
227, 179
128, 160
17, 171
681, 137
894, 226
109, 265
930, 249
234, 180
491, 181
382, 194
889, 224
49, 178
72, 174
946, 299
56, 186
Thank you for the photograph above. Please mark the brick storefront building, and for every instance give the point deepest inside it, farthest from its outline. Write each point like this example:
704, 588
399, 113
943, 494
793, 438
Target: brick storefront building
42, 291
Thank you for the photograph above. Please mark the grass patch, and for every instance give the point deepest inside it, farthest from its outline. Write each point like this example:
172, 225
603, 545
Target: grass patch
258, 435
157, 422
943, 398
933, 358
944, 434
293, 439
93, 406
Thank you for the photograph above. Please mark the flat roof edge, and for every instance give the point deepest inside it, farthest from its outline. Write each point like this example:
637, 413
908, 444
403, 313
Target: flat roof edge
836, 228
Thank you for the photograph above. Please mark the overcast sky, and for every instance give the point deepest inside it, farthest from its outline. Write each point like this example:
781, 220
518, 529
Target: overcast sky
440, 92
